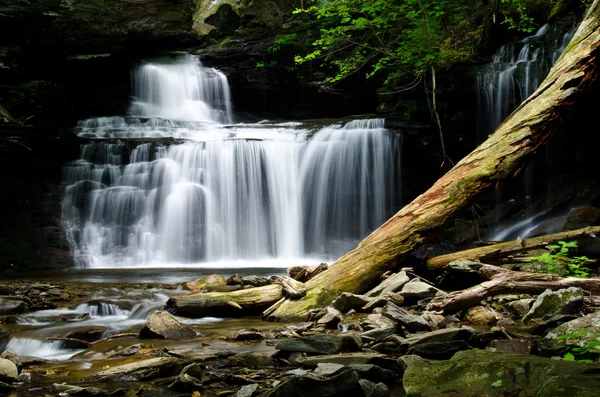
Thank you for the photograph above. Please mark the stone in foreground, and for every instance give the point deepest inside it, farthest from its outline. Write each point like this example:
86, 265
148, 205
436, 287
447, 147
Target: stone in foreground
161, 324
322, 344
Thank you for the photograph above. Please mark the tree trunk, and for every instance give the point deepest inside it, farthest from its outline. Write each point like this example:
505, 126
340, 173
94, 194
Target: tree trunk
509, 251
504, 154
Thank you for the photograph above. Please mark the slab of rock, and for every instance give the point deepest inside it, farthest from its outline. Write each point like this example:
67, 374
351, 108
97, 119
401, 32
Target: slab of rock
252, 360
140, 370
186, 383
12, 306
416, 289
322, 344
331, 318
161, 324
247, 390
440, 335
256, 281
480, 315
213, 280
341, 359
512, 346
550, 303
327, 369
374, 373
346, 383
88, 334
588, 326
520, 307
411, 322
347, 301
245, 335
372, 389
544, 327
472, 374
8, 371
377, 320
439, 350
72, 390
393, 283
128, 351
379, 334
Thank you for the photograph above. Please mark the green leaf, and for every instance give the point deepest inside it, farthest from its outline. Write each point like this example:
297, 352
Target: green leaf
497, 383
569, 357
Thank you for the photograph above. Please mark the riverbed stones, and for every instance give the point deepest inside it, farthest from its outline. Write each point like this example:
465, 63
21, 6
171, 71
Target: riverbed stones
345, 383
480, 315
12, 356
331, 318
480, 373
86, 334
512, 346
140, 370
417, 289
382, 299
520, 307
162, 325
12, 306
393, 283
8, 371
347, 301
582, 329
439, 350
186, 383
341, 359
252, 360
72, 390
245, 335
247, 391
322, 344
401, 345
411, 322
371, 389
212, 280
549, 303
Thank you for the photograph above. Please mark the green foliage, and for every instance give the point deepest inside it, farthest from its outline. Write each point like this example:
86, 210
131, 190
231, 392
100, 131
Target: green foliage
518, 19
497, 383
585, 349
283, 41
559, 259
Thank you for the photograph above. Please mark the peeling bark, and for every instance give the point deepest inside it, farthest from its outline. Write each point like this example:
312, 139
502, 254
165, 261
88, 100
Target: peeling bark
504, 154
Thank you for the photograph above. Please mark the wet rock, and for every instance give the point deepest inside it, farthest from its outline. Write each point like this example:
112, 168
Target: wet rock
346, 383
263, 14
140, 370
256, 281
347, 301
4, 333
374, 373
12, 356
378, 321
412, 323
495, 374
12, 306
194, 370
416, 289
247, 391
379, 334
186, 383
25, 377
245, 335
235, 279
512, 346
549, 303
520, 307
88, 334
8, 371
161, 324
382, 299
322, 344
585, 328
442, 335
480, 315
544, 327
252, 360
580, 217
439, 350
128, 351
305, 273
327, 369
72, 390
371, 389
316, 314
393, 283
331, 318
341, 359
212, 280
225, 20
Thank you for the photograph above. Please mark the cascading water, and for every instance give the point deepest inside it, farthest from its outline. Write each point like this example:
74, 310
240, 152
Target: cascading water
221, 192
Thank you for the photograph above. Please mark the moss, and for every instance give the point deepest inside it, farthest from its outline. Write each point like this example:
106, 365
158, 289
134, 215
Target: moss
173, 15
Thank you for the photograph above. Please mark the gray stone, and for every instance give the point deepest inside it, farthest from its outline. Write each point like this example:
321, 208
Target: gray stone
393, 283
256, 281
439, 350
586, 327
161, 324
472, 374
347, 301
247, 390
441, 335
373, 372
296, 372
343, 384
544, 327
225, 19
252, 360
128, 351
186, 383
412, 323
549, 303
245, 335
382, 299
331, 319
416, 289
371, 389
327, 369
8, 371
377, 320
480, 315
12, 306
520, 307
140, 370
12, 356
194, 370
379, 334
512, 346
322, 344
71, 390
341, 359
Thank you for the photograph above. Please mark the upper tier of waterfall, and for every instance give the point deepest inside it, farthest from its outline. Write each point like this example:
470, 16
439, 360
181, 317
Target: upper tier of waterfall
221, 192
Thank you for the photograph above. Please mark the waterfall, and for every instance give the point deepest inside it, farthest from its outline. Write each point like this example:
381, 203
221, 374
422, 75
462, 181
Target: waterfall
221, 193
515, 73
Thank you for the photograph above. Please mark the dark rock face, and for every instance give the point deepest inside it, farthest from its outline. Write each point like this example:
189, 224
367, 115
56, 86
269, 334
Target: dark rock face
322, 344
225, 20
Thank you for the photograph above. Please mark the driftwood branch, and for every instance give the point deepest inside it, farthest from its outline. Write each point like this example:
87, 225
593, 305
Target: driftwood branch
502, 281
91, 343
502, 252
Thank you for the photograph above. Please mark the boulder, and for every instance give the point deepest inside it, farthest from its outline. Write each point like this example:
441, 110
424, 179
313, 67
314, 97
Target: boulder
393, 283
327, 369
382, 299
477, 373
582, 329
442, 335
245, 335
581, 217
379, 334
322, 344
161, 324
331, 318
347, 301
71, 390
194, 370
345, 383
544, 327
201, 283
140, 370
8, 371
341, 359
371, 389
263, 14
439, 350
12, 306
252, 360
480, 315
88, 334
186, 383
225, 20
512, 346
411, 322
550, 303
374, 373
416, 289
247, 390
520, 307
12, 356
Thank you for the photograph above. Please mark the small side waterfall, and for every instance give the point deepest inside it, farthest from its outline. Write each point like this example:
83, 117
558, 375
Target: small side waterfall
515, 73
221, 192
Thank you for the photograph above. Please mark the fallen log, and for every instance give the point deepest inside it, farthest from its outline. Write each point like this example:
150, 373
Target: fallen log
92, 343
225, 304
501, 253
502, 281
500, 157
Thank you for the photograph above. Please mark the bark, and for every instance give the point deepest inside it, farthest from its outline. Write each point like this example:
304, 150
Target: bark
226, 304
500, 157
507, 281
509, 251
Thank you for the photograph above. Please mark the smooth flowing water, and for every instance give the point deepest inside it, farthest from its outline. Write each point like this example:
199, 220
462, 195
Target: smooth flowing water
175, 183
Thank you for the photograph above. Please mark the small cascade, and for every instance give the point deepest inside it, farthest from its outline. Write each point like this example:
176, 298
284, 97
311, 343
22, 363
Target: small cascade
251, 192
515, 73
101, 309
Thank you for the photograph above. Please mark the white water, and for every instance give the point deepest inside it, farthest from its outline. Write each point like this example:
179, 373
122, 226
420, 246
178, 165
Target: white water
268, 193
